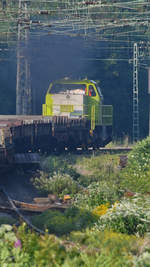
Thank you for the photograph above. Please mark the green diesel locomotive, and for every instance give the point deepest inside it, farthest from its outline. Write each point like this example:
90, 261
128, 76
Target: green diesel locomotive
74, 99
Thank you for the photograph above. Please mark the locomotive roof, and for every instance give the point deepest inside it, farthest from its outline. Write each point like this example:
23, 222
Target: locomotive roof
68, 81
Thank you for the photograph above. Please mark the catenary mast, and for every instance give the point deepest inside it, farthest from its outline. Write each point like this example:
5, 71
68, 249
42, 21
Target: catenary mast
135, 95
23, 84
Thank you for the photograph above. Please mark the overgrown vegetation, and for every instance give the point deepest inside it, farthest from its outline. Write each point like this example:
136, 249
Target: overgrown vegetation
136, 176
107, 224
96, 181
21, 247
57, 183
7, 220
63, 223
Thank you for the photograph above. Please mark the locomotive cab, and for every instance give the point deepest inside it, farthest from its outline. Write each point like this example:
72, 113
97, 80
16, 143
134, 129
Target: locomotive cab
79, 99
71, 98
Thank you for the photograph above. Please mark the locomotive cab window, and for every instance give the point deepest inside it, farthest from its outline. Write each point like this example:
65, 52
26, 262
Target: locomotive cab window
92, 91
76, 89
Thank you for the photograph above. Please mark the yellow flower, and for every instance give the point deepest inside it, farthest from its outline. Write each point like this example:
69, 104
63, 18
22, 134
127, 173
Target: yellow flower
101, 210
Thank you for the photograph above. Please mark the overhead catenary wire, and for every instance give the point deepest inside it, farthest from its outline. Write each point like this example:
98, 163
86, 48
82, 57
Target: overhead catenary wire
75, 14
97, 21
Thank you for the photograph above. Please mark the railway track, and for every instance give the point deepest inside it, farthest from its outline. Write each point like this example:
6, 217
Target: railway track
104, 150
29, 159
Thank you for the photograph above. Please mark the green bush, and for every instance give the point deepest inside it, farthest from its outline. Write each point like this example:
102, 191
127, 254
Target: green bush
87, 180
63, 223
86, 248
10, 252
128, 216
102, 239
108, 248
41, 250
98, 193
58, 183
136, 176
135, 181
139, 157
7, 220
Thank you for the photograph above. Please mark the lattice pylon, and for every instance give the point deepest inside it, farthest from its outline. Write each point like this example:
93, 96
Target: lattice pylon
23, 83
135, 95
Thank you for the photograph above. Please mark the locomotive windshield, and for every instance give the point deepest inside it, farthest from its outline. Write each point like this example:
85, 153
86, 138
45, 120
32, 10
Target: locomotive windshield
59, 88
99, 91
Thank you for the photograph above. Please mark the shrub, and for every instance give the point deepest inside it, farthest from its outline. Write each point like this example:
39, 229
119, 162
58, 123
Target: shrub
135, 181
87, 180
33, 250
86, 248
136, 176
42, 250
7, 220
128, 217
98, 193
10, 253
139, 157
107, 247
59, 224
57, 183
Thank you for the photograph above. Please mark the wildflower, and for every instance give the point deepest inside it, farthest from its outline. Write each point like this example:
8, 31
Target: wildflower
115, 205
101, 210
18, 244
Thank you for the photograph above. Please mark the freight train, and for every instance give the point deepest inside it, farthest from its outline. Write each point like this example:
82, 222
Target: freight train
73, 116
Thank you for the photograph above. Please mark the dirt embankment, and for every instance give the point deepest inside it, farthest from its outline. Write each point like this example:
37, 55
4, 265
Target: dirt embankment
17, 183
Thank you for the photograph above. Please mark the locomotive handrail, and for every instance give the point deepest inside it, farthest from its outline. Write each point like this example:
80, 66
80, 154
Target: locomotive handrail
107, 114
92, 117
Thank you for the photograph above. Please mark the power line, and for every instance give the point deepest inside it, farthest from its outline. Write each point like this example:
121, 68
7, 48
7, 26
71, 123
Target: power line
98, 21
